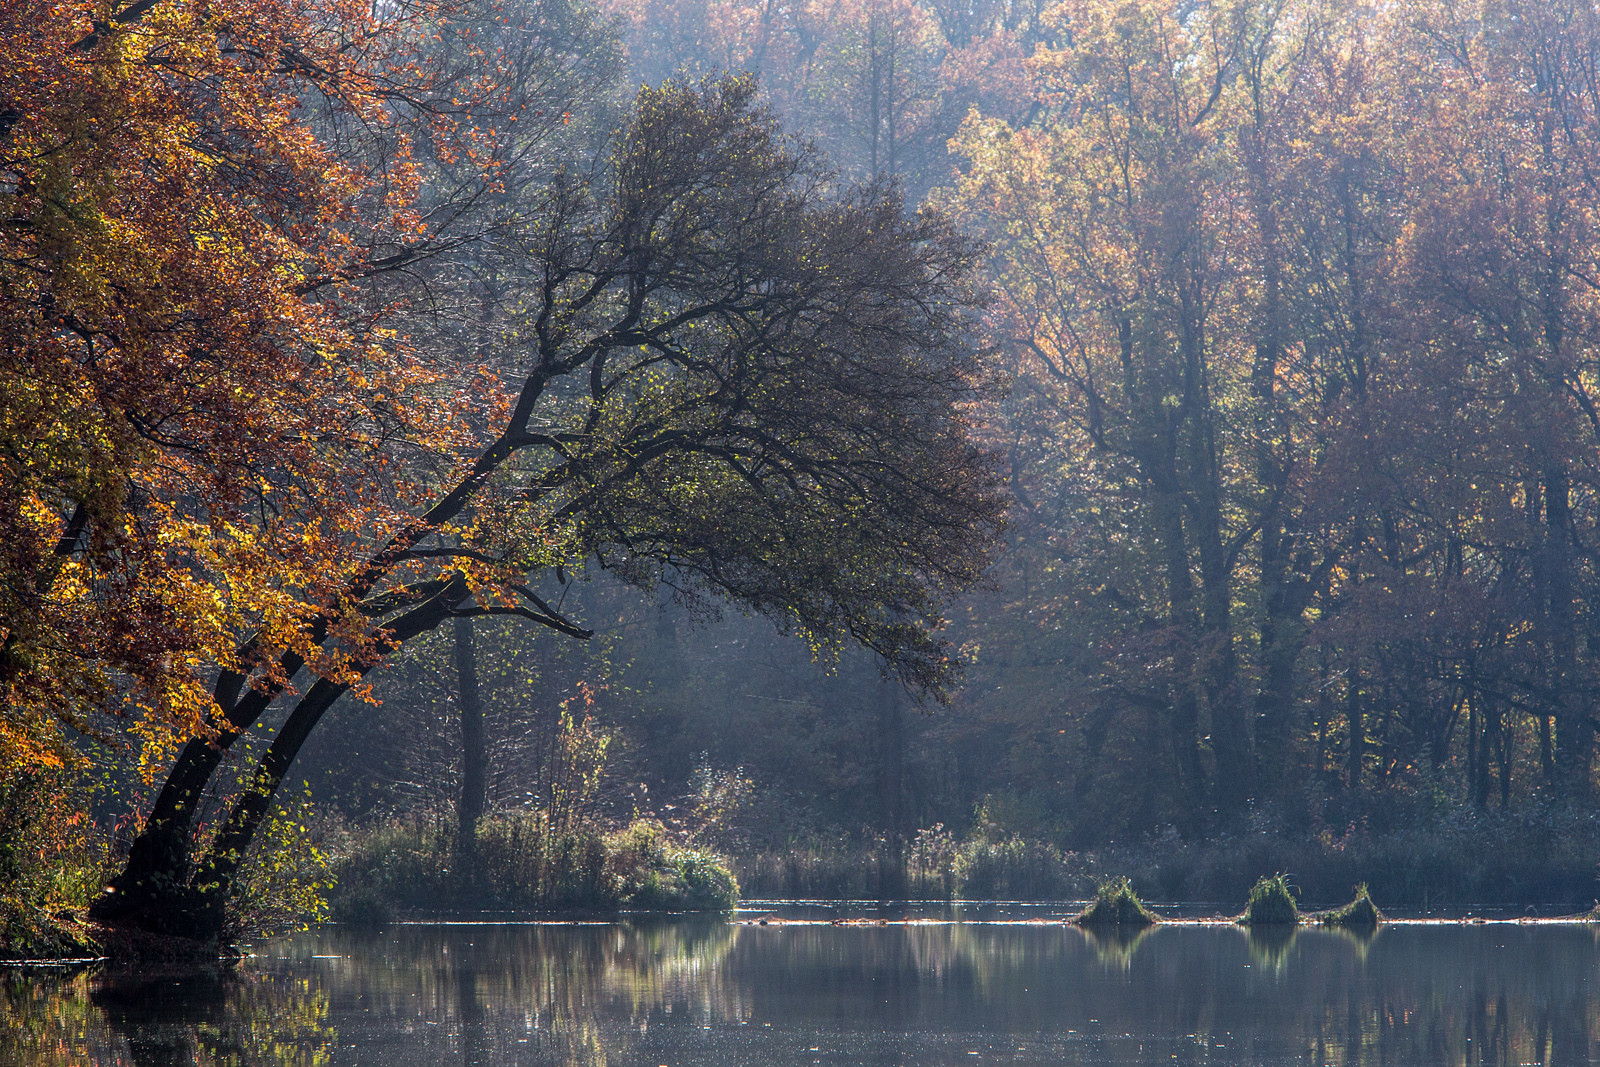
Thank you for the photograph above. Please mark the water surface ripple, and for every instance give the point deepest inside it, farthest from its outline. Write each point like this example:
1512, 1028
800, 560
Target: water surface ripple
719, 994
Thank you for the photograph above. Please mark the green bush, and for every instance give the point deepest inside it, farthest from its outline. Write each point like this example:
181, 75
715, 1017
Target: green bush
284, 880
51, 853
53, 860
1272, 903
1115, 904
650, 872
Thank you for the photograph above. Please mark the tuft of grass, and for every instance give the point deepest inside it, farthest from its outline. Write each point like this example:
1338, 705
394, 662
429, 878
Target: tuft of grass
1115, 904
1360, 914
1271, 903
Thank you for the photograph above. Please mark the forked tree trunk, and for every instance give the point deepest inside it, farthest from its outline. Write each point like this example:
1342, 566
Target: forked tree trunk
168, 899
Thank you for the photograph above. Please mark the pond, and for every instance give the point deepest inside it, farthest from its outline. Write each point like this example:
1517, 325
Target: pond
721, 994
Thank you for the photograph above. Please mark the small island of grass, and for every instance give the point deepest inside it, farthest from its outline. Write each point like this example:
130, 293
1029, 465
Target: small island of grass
1272, 903
1116, 904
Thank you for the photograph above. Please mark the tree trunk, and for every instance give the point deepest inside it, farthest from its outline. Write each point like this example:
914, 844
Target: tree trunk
1279, 629
891, 784
196, 906
1167, 518
1355, 754
1574, 736
469, 809
157, 867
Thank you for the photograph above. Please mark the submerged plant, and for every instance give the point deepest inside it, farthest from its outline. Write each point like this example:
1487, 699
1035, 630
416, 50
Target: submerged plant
1361, 913
1271, 903
1115, 904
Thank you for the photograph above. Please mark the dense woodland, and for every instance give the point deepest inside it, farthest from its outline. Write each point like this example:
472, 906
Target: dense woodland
573, 432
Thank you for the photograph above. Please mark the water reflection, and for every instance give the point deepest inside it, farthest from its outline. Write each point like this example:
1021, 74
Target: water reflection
1115, 944
163, 1019
1270, 944
928, 994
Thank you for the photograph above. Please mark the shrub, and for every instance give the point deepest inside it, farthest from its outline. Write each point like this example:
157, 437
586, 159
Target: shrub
819, 869
361, 908
1012, 869
1272, 903
651, 872
51, 853
53, 861
1115, 904
285, 877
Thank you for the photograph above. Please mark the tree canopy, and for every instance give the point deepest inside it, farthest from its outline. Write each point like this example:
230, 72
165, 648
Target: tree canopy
716, 366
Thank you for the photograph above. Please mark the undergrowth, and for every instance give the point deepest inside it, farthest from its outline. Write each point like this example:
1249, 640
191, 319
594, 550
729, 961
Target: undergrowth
525, 864
53, 861
1441, 856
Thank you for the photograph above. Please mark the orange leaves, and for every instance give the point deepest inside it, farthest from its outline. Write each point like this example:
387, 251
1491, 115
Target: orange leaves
193, 399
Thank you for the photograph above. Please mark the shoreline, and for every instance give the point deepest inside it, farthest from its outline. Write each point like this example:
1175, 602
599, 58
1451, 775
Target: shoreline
130, 948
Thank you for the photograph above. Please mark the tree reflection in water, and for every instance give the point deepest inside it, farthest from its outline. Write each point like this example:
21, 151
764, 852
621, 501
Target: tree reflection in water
162, 1018
717, 995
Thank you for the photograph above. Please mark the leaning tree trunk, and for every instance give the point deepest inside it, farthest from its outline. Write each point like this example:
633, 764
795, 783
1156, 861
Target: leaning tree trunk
156, 890
213, 883
153, 889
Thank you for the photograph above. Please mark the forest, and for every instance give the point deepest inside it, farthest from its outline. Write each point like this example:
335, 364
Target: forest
524, 454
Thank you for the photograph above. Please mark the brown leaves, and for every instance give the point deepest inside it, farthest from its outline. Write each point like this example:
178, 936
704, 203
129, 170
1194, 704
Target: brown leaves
164, 370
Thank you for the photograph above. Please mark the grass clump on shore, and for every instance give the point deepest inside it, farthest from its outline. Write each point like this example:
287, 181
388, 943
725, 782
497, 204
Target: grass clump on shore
652, 872
1271, 903
524, 864
1360, 914
1115, 904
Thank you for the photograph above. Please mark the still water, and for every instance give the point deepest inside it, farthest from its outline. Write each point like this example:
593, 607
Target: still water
719, 994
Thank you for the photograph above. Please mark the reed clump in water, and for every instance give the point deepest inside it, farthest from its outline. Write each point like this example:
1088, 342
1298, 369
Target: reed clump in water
1271, 903
1116, 904
1360, 914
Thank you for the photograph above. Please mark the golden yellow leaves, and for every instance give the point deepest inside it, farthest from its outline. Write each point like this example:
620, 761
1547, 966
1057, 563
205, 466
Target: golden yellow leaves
165, 381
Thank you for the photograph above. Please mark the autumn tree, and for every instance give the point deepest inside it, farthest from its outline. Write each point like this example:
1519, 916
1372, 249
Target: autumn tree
1295, 301
1121, 219
205, 402
735, 377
